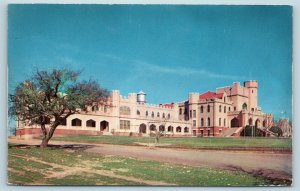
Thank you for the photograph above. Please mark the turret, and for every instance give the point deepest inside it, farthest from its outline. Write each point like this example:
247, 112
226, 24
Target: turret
252, 86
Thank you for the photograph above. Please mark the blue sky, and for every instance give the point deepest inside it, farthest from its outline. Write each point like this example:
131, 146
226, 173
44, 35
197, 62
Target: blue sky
166, 51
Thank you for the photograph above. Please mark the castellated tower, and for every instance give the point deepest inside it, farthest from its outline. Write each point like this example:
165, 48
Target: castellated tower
193, 98
252, 86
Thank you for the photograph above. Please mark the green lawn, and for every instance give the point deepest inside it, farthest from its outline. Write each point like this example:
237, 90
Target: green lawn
55, 166
187, 142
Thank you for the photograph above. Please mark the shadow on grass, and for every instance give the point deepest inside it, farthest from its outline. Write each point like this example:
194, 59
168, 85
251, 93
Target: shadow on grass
50, 146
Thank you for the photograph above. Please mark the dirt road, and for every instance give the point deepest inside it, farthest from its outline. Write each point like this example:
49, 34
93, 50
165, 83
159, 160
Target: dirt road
267, 164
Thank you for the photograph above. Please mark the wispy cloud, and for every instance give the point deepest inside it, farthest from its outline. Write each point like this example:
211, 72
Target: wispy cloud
146, 67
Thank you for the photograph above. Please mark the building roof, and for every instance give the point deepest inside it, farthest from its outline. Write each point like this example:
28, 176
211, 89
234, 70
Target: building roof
211, 95
170, 105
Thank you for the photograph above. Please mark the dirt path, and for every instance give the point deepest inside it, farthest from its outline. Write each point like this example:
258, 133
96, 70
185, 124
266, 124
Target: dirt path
266, 164
79, 170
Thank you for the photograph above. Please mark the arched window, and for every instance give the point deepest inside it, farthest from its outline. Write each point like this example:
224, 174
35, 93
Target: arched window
244, 106
219, 121
76, 122
158, 114
180, 111
152, 114
224, 99
220, 108
105, 109
178, 129
146, 113
229, 109
163, 115
224, 109
169, 116
202, 122
208, 122
138, 112
201, 109
208, 108
225, 122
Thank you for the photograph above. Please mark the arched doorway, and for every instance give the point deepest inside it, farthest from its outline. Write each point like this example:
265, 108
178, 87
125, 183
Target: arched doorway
104, 126
234, 122
170, 128
76, 122
143, 128
178, 129
91, 123
250, 121
152, 127
162, 128
257, 123
264, 123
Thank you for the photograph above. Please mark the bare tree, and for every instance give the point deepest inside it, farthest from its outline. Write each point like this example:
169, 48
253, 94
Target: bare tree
53, 95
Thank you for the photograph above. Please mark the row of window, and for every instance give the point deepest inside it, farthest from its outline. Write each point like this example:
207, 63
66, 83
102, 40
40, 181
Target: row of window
103, 108
170, 128
124, 110
89, 123
208, 122
193, 112
208, 109
152, 114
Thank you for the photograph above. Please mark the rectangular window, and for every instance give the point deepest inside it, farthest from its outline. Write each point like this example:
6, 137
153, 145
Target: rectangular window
194, 123
125, 124
190, 113
194, 113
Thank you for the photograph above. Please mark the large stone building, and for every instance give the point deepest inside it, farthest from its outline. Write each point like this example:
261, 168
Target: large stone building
222, 113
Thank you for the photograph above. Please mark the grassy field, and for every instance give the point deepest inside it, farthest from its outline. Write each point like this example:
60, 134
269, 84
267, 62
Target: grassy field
69, 166
187, 142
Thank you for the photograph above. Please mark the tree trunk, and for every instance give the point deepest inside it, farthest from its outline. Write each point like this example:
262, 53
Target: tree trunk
44, 139
48, 135
44, 143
